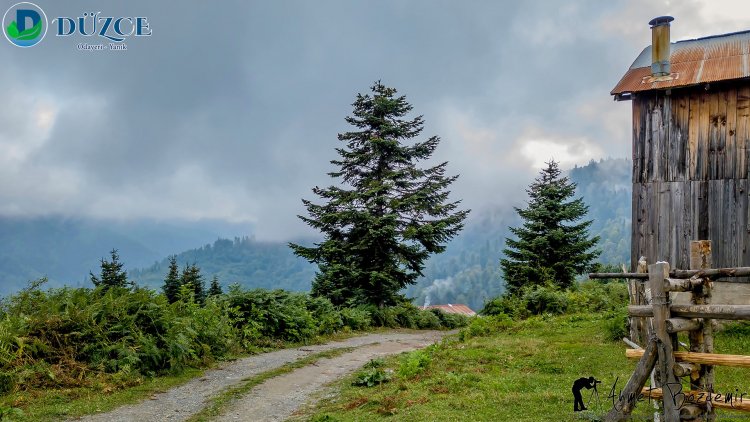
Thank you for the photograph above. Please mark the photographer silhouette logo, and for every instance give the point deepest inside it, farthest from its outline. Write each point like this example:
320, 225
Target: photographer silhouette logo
587, 383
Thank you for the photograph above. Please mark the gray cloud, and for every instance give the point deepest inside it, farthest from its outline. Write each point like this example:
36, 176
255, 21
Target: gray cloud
230, 110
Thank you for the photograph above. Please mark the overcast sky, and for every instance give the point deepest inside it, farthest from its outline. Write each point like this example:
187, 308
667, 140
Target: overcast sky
230, 110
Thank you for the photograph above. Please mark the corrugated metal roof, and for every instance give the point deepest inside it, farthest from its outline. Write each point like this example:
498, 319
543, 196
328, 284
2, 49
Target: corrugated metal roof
702, 60
452, 309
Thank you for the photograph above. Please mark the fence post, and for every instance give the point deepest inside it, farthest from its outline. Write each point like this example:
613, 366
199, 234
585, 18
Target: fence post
669, 383
639, 325
702, 340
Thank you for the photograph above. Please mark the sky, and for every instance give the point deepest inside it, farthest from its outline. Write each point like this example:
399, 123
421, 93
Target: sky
229, 110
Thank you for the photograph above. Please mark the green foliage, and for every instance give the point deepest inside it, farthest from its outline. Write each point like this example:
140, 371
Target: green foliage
485, 326
370, 377
616, 325
541, 300
112, 274
215, 289
551, 246
192, 277
414, 363
379, 232
172, 283
588, 296
356, 318
8, 413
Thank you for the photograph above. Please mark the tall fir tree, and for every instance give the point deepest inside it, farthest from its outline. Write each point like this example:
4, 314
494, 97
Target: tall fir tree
551, 245
215, 289
192, 277
386, 215
112, 274
172, 281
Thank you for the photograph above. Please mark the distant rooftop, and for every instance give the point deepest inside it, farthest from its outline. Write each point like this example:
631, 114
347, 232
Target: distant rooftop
701, 60
452, 309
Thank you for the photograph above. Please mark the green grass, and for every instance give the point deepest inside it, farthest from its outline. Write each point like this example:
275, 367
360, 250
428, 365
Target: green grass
58, 404
522, 373
222, 400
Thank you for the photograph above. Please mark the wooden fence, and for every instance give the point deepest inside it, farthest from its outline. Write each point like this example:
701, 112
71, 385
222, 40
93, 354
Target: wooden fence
655, 322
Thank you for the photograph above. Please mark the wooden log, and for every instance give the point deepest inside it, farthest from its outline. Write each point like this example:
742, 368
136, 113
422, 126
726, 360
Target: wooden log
684, 369
683, 274
683, 284
702, 340
717, 400
635, 276
660, 303
676, 325
733, 312
630, 394
737, 361
712, 272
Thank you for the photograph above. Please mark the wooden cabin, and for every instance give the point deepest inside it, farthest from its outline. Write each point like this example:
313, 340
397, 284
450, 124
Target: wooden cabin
691, 125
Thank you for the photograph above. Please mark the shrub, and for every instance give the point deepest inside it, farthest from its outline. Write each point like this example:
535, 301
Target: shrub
414, 363
325, 314
541, 299
356, 318
616, 325
450, 321
280, 315
370, 377
428, 320
484, 326
508, 305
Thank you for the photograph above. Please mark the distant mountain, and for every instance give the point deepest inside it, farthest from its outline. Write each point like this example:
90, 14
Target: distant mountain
66, 249
468, 271
270, 265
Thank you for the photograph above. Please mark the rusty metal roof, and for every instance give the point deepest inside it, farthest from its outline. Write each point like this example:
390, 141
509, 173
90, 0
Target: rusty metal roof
702, 60
452, 309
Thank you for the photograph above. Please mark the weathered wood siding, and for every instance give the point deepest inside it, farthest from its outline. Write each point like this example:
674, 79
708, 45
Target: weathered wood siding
690, 174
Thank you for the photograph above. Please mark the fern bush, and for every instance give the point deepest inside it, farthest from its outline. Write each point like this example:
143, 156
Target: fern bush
109, 338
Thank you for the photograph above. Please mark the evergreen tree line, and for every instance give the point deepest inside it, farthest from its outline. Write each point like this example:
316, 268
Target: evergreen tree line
176, 283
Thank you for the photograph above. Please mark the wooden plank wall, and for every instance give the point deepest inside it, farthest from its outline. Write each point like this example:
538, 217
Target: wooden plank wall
690, 174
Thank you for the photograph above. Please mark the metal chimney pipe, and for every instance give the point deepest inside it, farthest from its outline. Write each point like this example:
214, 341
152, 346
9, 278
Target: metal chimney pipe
660, 51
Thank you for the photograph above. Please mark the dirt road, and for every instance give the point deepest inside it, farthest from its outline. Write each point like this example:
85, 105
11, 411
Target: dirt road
277, 398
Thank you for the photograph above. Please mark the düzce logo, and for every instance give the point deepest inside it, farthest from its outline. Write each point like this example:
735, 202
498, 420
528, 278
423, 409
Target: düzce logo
25, 24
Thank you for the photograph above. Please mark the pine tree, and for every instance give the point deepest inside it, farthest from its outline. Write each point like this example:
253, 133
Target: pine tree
112, 274
172, 281
551, 245
385, 216
192, 277
215, 289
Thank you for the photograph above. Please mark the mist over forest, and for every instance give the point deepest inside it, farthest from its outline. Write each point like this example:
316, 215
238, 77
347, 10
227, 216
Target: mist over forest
65, 250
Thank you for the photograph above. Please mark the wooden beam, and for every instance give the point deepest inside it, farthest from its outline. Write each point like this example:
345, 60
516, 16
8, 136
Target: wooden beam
717, 400
712, 272
627, 400
639, 276
683, 274
683, 284
676, 325
733, 312
665, 347
683, 369
738, 361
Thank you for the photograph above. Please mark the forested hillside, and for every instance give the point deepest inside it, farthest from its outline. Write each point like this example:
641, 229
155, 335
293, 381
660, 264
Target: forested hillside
64, 249
468, 271
252, 263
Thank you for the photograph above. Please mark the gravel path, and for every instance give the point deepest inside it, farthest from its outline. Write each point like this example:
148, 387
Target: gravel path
278, 397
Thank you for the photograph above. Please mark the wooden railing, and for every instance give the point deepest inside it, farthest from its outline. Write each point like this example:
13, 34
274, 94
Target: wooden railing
655, 322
